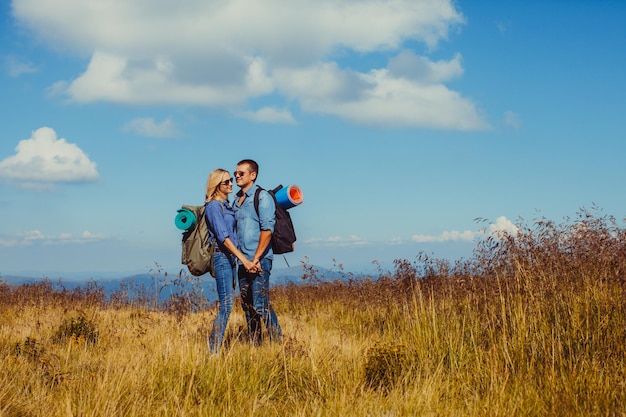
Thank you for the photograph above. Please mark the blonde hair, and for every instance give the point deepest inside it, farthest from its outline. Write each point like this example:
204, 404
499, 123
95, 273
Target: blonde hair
212, 185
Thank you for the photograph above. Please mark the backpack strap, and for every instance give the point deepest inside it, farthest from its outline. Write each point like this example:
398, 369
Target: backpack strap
256, 199
271, 193
206, 219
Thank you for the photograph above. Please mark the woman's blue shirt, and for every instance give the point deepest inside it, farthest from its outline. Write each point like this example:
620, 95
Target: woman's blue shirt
221, 218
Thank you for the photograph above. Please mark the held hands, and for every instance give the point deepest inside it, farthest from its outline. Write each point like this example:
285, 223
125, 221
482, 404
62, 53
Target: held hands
252, 267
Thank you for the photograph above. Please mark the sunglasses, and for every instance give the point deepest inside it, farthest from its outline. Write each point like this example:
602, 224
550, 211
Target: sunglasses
226, 182
239, 173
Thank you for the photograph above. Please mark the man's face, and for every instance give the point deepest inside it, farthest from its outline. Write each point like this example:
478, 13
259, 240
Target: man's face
243, 177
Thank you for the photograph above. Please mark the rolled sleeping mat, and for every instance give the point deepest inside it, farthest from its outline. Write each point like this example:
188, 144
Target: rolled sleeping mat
185, 219
289, 196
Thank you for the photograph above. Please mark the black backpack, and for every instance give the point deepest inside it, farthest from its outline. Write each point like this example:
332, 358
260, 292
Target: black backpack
284, 235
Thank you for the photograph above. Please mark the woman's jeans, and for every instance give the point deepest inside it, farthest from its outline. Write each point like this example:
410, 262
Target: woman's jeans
225, 268
255, 300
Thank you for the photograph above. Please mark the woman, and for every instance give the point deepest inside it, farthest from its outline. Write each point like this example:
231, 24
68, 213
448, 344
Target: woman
221, 220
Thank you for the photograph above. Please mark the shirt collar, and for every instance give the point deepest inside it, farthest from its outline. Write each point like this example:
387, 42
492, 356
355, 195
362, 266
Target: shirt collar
250, 191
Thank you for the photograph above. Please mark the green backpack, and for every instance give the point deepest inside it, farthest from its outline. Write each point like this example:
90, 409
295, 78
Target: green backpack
198, 250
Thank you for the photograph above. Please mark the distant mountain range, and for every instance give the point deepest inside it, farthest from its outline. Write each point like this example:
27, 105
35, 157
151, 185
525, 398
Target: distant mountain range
165, 284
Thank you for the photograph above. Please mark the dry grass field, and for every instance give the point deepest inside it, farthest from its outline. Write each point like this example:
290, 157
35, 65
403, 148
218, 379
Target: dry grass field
531, 325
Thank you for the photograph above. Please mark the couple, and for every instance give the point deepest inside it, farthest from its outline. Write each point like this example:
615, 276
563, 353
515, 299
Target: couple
241, 234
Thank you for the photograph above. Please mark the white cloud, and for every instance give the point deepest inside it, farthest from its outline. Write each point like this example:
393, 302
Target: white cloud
150, 128
270, 115
224, 53
268, 26
512, 119
498, 228
16, 67
503, 225
503, 27
37, 237
333, 241
422, 70
379, 98
43, 159
158, 80
447, 236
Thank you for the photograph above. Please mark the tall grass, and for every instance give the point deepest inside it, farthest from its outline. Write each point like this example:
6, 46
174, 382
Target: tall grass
533, 324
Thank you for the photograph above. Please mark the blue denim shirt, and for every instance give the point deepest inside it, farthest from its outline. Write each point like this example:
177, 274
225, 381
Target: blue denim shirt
249, 224
221, 217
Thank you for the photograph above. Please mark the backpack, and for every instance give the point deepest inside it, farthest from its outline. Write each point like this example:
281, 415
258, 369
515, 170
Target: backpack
284, 234
198, 250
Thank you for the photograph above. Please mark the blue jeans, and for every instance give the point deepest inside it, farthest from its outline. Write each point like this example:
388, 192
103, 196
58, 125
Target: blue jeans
255, 301
225, 267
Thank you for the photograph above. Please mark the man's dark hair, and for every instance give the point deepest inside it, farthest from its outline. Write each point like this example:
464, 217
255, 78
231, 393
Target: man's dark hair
254, 167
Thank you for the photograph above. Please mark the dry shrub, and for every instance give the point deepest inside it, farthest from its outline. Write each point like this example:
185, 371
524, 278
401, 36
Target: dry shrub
187, 296
542, 259
385, 363
30, 348
78, 329
591, 246
45, 293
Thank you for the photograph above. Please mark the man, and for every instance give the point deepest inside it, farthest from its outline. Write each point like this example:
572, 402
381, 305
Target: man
255, 232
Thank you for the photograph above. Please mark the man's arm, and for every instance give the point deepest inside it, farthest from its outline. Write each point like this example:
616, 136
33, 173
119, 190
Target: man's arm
267, 220
264, 241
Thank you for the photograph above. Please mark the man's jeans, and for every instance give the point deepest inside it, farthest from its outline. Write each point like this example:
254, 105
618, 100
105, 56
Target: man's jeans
255, 300
225, 268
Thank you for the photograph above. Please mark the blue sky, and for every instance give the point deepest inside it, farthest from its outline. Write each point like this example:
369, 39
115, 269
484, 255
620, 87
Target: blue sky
402, 122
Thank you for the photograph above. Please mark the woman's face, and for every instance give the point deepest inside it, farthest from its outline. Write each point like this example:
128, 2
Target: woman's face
226, 184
